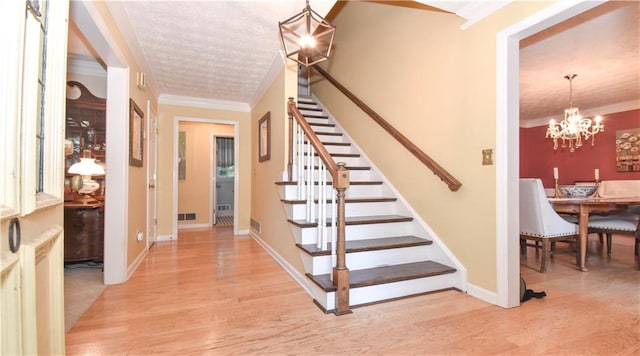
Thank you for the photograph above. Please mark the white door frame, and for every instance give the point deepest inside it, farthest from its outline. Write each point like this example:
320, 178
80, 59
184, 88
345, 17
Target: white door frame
507, 142
152, 175
89, 21
236, 147
214, 175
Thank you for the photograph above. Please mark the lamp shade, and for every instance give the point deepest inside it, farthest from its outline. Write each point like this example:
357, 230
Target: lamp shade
86, 167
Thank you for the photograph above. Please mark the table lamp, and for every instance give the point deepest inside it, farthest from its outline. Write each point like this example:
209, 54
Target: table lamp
86, 168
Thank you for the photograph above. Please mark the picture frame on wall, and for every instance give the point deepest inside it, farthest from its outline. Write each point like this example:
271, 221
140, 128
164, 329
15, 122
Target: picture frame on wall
264, 137
136, 139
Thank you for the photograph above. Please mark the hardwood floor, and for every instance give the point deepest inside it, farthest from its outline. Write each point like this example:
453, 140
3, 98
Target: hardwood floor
216, 294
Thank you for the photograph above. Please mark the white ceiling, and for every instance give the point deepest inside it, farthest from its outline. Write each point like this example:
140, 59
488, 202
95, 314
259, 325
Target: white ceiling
225, 52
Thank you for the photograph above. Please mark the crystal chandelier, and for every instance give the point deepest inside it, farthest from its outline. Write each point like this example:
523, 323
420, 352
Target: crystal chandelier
574, 127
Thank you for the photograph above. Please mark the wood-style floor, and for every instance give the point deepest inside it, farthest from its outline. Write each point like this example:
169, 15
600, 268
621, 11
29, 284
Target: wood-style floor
215, 294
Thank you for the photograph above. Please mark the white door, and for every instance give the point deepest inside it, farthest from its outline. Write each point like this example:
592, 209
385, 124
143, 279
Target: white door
33, 38
214, 180
152, 174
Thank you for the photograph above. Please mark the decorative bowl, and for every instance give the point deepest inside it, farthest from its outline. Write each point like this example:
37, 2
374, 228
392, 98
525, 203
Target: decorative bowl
578, 191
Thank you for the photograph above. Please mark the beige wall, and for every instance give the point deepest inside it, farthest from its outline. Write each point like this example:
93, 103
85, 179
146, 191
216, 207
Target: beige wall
265, 201
194, 192
166, 116
437, 85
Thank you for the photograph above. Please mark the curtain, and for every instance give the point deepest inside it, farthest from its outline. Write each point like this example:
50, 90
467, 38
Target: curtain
225, 151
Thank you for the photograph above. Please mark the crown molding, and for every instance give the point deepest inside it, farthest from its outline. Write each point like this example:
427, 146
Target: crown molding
601, 110
203, 103
85, 66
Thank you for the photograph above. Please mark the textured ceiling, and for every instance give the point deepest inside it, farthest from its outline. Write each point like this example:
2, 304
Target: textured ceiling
224, 51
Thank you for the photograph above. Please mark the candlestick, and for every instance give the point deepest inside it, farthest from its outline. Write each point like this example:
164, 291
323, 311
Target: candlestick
596, 173
557, 193
596, 194
555, 173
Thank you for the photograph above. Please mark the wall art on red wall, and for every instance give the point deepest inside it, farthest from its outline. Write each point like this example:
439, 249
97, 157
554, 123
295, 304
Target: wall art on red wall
628, 150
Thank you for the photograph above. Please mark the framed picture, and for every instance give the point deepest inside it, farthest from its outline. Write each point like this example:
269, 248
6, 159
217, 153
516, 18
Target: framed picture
136, 129
628, 150
264, 137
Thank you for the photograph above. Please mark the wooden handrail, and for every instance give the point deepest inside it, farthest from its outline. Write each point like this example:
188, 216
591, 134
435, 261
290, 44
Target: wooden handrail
444, 175
340, 181
324, 155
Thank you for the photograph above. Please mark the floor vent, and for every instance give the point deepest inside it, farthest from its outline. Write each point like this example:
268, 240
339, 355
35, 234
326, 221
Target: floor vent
224, 207
190, 216
255, 224
180, 217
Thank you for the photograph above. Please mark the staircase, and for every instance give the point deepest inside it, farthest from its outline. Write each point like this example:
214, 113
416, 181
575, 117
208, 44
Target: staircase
390, 253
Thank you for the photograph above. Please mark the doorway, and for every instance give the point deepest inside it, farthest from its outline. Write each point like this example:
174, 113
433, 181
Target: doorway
507, 143
223, 177
192, 138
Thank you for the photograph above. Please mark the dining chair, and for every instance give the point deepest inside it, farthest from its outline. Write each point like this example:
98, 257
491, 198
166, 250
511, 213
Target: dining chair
540, 223
618, 223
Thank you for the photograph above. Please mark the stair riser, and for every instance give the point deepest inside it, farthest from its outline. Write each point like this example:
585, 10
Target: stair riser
331, 138
317, 120
368, 259
349, 161
357, 175
381, 292
309, 235
290, 192
340, 149
299, 211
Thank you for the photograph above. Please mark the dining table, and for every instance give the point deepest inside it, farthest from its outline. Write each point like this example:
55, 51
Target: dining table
583, 207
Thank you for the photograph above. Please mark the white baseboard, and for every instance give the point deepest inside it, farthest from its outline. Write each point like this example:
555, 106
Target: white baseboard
162, 238
482, 294
300, 278
193, 226
243, 232
136, 263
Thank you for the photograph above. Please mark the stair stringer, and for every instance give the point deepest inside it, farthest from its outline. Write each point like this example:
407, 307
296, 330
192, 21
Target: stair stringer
438, 251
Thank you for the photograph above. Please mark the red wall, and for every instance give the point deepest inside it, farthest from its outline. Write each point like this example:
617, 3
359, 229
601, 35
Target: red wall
537, 156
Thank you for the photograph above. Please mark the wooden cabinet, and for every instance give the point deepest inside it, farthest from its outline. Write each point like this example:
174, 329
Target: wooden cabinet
83, 232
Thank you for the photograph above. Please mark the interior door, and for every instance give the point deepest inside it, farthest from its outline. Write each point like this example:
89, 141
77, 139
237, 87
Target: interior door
152, 174
32, 101
214, 180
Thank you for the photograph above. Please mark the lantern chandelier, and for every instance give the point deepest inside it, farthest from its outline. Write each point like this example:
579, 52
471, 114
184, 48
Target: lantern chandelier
574, 127
307, 37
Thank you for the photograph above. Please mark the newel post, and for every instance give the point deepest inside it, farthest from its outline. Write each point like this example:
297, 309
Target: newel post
291, 133
340, 271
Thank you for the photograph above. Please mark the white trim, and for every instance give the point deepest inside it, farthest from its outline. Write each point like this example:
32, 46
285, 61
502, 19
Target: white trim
601, 110
203, 103
84, 66
302, 280
236, 140
136, 263
163, 238
193, 226
507, 139
117, 182
242, 232
482, 294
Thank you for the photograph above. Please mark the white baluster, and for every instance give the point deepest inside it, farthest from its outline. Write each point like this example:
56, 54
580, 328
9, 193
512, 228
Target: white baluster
294, 154
301, 180
309, 180
323, 206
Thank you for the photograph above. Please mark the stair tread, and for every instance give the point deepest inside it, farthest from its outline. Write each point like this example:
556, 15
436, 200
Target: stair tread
349, 168
385, 274
321, 133
353, 155
357, 182
357, 220
314, 116
348, 200
333, 143
384, 243
321, 124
